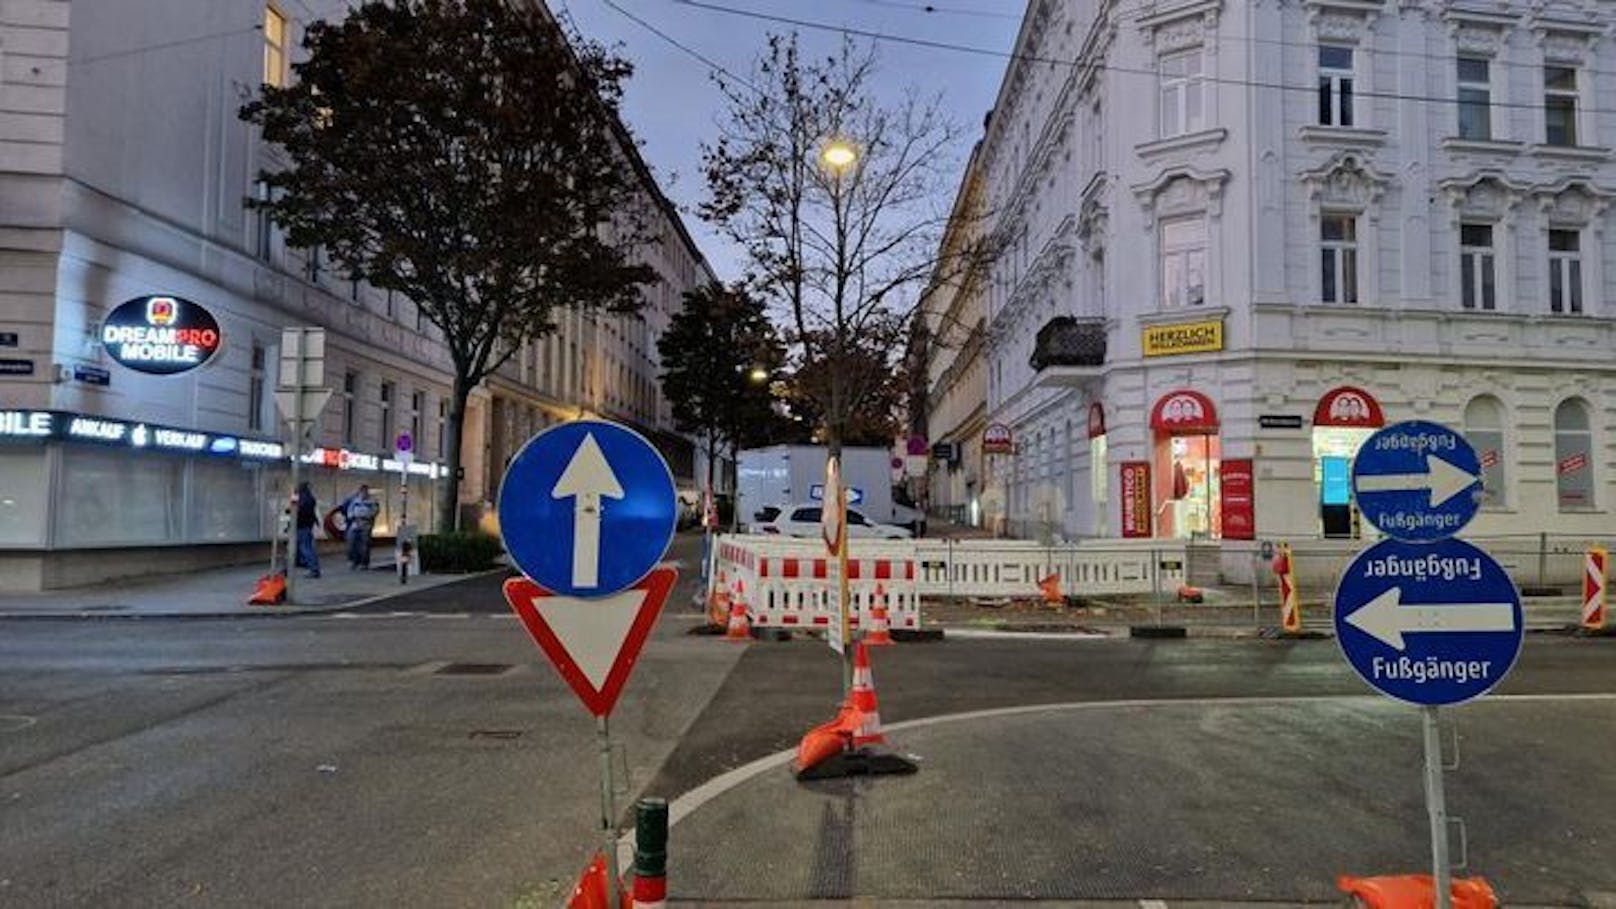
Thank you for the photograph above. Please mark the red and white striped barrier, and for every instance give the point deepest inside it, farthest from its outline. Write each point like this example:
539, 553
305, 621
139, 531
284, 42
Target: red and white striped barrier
1595, 573
793, 584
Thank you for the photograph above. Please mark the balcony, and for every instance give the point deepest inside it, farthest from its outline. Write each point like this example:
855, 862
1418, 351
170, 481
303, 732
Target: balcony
1069, 351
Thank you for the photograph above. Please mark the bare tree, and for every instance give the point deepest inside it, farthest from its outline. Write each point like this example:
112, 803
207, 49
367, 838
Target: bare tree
838, 200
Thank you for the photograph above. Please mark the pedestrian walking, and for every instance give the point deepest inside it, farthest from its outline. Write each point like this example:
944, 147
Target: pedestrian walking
360, 510
307, 516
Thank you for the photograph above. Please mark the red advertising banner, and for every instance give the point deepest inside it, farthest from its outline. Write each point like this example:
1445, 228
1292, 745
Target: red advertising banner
1238, 491
1571, 464
1135, 498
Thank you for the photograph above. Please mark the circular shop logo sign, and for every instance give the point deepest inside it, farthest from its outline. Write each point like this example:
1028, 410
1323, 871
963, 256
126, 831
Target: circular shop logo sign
161, 335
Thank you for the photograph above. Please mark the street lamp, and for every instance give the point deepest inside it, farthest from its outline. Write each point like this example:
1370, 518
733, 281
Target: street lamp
838, 155
758, 375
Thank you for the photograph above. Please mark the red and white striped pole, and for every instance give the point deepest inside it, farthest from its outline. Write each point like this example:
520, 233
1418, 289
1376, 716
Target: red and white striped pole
1290, 606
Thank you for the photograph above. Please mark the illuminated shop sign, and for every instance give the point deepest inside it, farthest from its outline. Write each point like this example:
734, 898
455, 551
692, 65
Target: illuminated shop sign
41, 425
161, 335
343, 459
26, 424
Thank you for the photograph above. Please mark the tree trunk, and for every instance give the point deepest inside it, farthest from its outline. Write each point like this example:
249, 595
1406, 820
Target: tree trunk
449, 494
712, 456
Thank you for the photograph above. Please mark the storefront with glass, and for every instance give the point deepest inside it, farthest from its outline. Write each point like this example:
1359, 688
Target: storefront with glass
84, 497
1185, 466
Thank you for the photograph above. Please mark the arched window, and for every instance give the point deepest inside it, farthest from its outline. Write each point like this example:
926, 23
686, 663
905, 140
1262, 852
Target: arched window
1484, 427
1573, 455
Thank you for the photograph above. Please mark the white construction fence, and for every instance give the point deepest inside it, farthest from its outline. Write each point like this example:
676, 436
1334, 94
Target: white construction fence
791, 583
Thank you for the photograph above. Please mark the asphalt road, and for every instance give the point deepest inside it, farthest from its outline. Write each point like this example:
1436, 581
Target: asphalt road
326, 761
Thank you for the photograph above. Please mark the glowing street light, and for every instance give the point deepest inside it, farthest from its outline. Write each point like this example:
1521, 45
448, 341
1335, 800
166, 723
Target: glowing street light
759, 375
838, 154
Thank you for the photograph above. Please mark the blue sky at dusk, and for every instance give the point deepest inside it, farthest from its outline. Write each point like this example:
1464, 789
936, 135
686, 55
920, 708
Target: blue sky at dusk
672, 105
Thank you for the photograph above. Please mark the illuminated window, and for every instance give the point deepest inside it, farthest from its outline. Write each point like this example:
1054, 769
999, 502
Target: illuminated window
274, 48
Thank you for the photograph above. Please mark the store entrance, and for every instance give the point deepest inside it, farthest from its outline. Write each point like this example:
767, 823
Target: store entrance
1185, 466
1344, 418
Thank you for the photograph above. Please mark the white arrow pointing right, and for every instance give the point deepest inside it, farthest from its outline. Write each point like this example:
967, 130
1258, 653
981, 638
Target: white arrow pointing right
1386, 619
1444, 479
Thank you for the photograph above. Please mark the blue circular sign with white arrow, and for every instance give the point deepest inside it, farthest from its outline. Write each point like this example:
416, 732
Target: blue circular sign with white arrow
1430, 624
587, 508
1417, 481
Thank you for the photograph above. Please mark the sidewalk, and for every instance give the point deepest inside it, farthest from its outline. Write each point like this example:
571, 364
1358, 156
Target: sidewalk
217, 593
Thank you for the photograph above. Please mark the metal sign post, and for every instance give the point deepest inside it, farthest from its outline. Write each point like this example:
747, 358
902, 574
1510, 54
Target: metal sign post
1441, 869
590, 607
1425, 617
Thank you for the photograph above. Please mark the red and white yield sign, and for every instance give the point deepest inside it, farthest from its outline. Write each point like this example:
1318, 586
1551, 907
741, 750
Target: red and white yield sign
592, 642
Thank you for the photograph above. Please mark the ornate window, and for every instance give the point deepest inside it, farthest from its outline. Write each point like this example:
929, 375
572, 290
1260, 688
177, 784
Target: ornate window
1345, 194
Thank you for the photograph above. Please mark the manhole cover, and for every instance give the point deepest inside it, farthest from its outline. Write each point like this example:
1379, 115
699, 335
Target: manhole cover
474, 669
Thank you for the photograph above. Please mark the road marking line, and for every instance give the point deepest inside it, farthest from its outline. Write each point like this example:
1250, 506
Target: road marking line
687, 804
1152, 904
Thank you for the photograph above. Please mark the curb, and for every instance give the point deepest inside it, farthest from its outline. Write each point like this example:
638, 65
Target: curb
242, 612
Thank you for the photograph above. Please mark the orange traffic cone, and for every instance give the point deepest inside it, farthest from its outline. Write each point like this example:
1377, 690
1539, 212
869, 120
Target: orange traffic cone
271, 590
862, 699
1050, 588
1415, 891
591, 891
880, 634
739, 628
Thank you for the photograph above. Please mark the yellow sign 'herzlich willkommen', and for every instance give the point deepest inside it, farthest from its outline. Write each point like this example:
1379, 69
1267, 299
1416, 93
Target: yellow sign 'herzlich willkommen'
1183, 338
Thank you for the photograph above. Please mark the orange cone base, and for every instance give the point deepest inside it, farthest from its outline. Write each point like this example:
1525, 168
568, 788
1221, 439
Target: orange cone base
271, 591
865, 760
1415, 891
1188, 594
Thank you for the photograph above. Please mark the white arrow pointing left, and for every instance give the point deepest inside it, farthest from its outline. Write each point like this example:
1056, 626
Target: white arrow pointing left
1387, 619
1444, 480
587, 478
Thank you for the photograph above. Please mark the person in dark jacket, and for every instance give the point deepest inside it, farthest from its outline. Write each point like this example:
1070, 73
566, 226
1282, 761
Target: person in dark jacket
307, 517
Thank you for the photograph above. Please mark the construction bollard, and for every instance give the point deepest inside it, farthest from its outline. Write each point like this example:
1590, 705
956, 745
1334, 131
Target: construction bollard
651, 854
1595, 571
1290, 606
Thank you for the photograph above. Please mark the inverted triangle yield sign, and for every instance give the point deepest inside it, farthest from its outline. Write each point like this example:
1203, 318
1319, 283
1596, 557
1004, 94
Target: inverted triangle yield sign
594, 642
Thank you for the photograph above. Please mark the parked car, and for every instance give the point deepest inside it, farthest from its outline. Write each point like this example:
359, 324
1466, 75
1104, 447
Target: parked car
804, 521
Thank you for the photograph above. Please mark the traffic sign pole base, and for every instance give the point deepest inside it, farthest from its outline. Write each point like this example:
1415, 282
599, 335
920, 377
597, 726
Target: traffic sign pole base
865, 760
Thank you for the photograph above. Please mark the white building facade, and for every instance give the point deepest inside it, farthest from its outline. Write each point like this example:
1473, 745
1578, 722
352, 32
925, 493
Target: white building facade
123, 170
1242, 235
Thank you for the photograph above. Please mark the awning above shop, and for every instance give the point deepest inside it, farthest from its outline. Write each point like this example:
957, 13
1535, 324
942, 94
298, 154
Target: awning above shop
1351, 407
1184, 411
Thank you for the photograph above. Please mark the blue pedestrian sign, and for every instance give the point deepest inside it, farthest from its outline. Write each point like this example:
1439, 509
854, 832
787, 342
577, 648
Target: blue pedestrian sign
1417, 481
575, 486
1430, 624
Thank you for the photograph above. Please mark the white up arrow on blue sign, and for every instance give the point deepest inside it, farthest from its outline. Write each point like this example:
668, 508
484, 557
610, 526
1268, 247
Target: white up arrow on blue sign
1417, 481
579, 483
1435, 623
